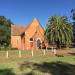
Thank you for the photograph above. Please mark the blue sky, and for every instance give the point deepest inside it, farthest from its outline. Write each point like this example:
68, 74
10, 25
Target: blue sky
22, 12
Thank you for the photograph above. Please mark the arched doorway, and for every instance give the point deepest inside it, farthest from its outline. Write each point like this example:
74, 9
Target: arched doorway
38, 43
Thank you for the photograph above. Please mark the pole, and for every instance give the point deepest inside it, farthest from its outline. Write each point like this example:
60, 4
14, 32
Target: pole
7, 55
44, 52
32, 52
20, 54
52, 49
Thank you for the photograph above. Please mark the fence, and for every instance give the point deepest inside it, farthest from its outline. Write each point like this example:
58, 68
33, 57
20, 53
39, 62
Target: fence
24, 53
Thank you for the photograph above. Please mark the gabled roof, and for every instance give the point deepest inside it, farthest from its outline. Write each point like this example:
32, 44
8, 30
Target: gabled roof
36, 22
37, 30
18, 30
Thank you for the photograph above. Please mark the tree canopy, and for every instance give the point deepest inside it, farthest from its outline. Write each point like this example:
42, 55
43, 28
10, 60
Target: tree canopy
73, 14
5, 30
59, 31
73, 23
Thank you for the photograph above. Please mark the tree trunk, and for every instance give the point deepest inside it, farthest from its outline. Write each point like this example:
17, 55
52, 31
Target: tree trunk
58, 44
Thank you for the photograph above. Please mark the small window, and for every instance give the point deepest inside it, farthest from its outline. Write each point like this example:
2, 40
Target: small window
31, 39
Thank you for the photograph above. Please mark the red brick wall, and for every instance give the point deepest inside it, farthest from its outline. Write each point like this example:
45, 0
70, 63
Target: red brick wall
31, 31
16, 42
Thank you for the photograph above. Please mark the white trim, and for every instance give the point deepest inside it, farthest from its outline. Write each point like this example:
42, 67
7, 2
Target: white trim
30, 41
38, 39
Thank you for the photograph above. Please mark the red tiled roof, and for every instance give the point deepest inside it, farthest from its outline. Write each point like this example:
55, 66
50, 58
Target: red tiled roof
18, 30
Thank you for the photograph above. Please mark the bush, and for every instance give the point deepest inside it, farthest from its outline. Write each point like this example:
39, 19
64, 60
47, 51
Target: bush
4, 48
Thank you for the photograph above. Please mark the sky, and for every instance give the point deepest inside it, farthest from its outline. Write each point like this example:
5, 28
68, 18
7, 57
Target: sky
22, 12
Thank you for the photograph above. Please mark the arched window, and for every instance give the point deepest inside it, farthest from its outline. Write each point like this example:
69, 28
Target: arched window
38, 43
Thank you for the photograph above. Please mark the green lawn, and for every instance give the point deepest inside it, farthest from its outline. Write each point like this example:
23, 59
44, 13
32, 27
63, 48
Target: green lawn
39, 64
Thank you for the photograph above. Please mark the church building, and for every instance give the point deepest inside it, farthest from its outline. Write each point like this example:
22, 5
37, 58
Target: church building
27, 37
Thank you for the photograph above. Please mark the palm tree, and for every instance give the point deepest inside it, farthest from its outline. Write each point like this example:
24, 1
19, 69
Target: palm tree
58, 31
73, 14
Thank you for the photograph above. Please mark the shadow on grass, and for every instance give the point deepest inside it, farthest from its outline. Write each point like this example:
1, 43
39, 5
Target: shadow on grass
72, 53
53, 68
6, 72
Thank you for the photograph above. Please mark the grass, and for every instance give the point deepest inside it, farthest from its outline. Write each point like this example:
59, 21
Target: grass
39, 64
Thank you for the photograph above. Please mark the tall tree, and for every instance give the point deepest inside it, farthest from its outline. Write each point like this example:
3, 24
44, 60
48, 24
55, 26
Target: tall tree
5, 30
73, 14
73, 23
59, 31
